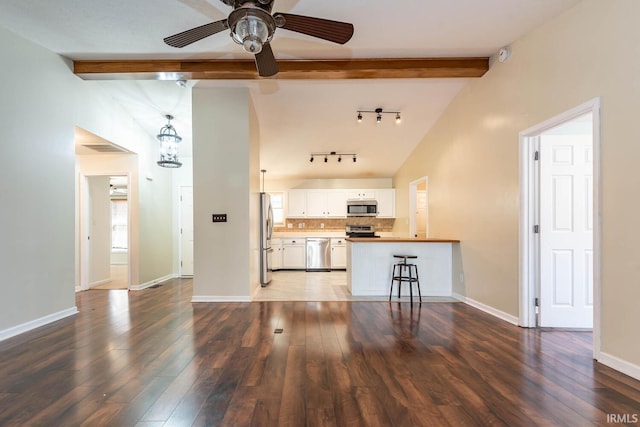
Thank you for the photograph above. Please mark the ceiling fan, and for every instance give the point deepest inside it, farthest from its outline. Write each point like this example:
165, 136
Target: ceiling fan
252, 25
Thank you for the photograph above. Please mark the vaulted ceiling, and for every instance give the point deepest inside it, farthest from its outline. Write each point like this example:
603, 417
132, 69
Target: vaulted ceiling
297, 117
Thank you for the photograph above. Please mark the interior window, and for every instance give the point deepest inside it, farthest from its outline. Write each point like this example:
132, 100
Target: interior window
119, 224
277, 205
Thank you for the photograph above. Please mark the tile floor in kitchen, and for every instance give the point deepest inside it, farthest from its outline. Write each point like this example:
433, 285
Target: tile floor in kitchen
321, 286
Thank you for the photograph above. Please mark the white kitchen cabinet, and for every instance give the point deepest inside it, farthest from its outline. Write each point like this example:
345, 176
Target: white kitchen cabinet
316, 203
276, 259
336, 204
297, 203
338, 254
361, 194
386, 203
326, 204
294, 254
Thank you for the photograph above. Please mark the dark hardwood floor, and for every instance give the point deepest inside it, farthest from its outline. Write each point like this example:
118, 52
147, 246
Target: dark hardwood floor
152, 358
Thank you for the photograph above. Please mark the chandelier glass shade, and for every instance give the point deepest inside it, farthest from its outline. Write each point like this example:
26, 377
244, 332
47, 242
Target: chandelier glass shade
169, 140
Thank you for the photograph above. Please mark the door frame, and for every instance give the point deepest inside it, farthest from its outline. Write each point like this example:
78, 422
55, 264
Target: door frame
180, 222
413, 190
528, 241
84, 220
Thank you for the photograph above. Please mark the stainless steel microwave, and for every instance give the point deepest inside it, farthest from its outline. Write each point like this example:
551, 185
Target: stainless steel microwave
357, 207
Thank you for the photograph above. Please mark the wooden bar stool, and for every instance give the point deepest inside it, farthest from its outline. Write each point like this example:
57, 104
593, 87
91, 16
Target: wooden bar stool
405, 272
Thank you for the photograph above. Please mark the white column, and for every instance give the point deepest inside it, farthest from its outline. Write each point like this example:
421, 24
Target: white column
225, 181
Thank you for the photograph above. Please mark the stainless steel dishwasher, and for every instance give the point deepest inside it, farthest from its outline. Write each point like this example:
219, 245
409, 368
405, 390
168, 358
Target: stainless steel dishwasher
318, 254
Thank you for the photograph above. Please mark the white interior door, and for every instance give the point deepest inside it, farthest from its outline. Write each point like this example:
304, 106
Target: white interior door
419, 208
186, 231
421, 214
566, 230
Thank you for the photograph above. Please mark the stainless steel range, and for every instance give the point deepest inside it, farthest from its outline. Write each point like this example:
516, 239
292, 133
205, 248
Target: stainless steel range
360, 231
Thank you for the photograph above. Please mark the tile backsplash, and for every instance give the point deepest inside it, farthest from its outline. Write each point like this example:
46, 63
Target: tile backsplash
334, 224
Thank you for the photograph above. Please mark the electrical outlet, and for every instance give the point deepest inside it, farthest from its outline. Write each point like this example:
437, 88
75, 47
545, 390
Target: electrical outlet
219, 217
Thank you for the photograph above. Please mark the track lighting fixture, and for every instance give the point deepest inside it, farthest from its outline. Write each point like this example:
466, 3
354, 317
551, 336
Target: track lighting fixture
379, 112
332, 153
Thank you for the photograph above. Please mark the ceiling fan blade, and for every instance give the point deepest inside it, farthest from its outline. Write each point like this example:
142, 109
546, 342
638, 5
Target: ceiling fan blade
334, 31
185, 38
266, 62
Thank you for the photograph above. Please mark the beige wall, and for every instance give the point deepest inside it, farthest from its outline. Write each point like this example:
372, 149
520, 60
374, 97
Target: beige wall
363, 183
471, 158
225, 181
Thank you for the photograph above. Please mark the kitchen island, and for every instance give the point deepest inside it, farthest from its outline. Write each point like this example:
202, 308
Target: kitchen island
370, 261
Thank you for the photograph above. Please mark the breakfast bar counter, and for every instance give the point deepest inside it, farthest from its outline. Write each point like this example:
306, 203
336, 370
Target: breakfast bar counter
370, 261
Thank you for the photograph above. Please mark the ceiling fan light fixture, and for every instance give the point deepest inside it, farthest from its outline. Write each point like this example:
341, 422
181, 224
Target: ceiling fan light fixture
251, 28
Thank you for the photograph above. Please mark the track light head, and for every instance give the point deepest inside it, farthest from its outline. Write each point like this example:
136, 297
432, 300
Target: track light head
325, 159
359, 117
354, 158
339, 159
378, 118
398, 118
311, 159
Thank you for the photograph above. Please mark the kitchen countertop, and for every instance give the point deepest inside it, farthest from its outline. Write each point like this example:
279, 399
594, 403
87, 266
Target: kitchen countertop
398, 240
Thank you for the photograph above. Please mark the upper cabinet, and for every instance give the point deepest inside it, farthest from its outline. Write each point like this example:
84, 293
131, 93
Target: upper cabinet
331, 203
361, 194
386, 203
326, 204
297, 203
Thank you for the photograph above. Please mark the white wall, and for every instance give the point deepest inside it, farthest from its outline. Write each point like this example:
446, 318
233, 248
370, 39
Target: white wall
41, 104
225, 181
99, 230
471, 158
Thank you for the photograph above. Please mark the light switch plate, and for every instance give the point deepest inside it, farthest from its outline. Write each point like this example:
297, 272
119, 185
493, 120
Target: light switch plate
219, 217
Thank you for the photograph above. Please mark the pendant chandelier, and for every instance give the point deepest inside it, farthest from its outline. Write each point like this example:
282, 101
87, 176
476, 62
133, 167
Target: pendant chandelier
169, 139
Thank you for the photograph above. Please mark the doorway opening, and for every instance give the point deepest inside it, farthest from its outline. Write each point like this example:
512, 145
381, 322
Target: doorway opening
559, 222
419, 208
105, 212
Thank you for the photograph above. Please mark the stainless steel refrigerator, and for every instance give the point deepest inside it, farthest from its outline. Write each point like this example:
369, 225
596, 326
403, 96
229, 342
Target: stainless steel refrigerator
266, 230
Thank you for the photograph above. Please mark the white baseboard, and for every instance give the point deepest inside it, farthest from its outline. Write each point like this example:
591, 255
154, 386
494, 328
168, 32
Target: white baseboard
145, 285
33, 324
487, 309
99, 282
621, 365
212, 298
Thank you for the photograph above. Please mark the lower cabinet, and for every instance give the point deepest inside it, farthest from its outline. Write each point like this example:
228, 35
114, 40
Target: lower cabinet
338, 254
294, 254
276, 259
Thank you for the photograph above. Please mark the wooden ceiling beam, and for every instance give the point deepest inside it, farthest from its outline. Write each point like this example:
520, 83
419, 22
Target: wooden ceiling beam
223, 69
